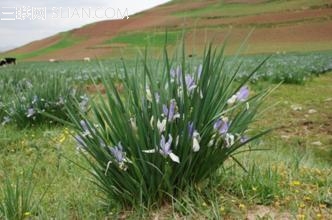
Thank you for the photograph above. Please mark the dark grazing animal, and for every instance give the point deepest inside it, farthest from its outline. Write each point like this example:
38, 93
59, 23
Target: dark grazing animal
10, 60
7, 60
3, 62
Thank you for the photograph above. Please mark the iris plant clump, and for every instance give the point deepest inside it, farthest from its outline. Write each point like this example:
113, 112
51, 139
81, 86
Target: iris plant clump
173, 126
32, 100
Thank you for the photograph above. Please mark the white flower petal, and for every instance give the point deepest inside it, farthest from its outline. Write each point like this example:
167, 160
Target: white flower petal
229, 139
148, 95
196, 146
232, 100
152, 121
149, 151
174, 158
161, 125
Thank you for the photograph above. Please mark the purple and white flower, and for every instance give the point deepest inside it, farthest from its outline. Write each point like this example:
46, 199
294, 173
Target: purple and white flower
196, 139
161, 125
176, 75
221, 125
31, 112
165, 149
243, 94
171, 112
119, 156
190, 83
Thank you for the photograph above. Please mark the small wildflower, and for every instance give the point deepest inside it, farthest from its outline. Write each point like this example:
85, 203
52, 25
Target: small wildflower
195, 136
27, 214
190, 83
161, 125
176, 74
222, 209
229, 138
190, 129
171, 112
295, 183
242, 206
85, 127
62, 139
31, 112
80, 142
221, 125
165, 149
196, 139
232, 100
119, 156
243, 94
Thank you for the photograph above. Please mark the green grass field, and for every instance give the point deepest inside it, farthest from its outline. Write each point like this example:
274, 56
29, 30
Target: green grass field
238, 10
65, 41
290, 177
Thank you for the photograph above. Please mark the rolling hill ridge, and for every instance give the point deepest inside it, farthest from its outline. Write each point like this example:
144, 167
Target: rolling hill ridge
278, 25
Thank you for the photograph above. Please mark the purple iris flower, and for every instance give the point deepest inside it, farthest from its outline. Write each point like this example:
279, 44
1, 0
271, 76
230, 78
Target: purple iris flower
191, 129
221, 125
170, 112
86, 128
84, 125
165, 147
118, 153
176, 74
190, 83
243, 94
80, 141
31, 112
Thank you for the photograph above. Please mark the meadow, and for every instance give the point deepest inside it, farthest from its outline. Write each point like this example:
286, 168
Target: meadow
46, 174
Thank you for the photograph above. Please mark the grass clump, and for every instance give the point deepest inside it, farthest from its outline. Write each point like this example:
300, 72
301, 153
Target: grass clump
172, 127
31, 99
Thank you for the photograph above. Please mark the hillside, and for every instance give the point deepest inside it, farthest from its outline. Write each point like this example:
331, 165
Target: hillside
279, 25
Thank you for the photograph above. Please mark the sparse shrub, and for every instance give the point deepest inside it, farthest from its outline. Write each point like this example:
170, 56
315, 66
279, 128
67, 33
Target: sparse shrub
172, 126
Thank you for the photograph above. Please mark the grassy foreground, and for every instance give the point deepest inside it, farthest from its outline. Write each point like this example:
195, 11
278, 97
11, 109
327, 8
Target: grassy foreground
290, 180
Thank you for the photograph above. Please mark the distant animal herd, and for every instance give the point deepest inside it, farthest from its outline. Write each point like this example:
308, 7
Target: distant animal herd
7, 61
